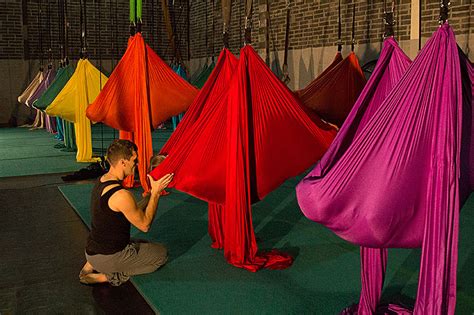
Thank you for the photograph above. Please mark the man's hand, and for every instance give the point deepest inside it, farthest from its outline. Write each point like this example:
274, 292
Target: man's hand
157, 186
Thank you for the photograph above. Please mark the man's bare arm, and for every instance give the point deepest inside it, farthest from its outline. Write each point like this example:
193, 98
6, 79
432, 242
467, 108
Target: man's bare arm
123, 201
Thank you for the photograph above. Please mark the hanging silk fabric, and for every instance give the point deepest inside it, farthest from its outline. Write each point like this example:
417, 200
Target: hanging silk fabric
333, 93
211, 92
193, 77
62, 77
182, 73
70, 104
49, 123
403, 174
200, 79
391, 65
235, 148
42, 120
142, 92
69, 136
25, 95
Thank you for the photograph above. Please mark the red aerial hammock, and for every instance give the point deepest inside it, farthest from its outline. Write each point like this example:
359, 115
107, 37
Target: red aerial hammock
213, 90
403, 178
333, 93
141, 92
215, 86
239, 149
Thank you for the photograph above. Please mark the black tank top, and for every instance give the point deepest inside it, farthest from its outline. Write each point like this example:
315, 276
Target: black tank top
110, 230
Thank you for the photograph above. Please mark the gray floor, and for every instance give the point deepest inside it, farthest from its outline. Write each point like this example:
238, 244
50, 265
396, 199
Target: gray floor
42, 241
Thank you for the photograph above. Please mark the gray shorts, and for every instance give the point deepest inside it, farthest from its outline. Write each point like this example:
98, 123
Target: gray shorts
135, 259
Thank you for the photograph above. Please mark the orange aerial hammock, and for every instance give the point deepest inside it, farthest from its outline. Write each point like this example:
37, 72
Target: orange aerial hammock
141, 93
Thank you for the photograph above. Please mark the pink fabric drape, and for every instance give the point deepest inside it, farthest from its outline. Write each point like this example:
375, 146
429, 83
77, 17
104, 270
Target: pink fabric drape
397, 180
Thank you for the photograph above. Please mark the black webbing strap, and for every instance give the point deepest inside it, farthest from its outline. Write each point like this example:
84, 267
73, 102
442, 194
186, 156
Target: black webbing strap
206, 39
50, 37
40, 14
138, 18
188, 26
66, 35
61, 32
115, 46
85, 25
24, 22
286, 75
443, 11
153, 37
213, 30
98, 25
353, 25
177, 52
81, 23
389, 22
339, 28
226, 9
169, 28
248, 22
113, 21
267, 34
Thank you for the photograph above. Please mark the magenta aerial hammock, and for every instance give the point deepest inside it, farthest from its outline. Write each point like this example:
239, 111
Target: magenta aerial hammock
400, 170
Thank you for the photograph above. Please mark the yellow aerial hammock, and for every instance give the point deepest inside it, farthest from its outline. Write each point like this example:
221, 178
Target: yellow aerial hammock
71, 103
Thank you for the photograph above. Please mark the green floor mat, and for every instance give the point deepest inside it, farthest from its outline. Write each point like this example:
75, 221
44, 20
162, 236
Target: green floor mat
323, 279
32, 152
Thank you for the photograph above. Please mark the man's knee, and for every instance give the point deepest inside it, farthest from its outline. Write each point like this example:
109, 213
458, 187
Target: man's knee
160, 254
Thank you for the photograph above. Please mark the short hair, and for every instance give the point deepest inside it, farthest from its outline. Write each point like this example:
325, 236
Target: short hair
155, 160
120, 149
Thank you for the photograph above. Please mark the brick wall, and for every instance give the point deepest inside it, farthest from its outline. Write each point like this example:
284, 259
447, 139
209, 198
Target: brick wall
107, 38
313, 23
11, 39
313, 29
198, 27
460, 17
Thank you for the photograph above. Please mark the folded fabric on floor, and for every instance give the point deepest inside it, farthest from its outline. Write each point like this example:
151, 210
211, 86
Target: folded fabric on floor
94, 170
